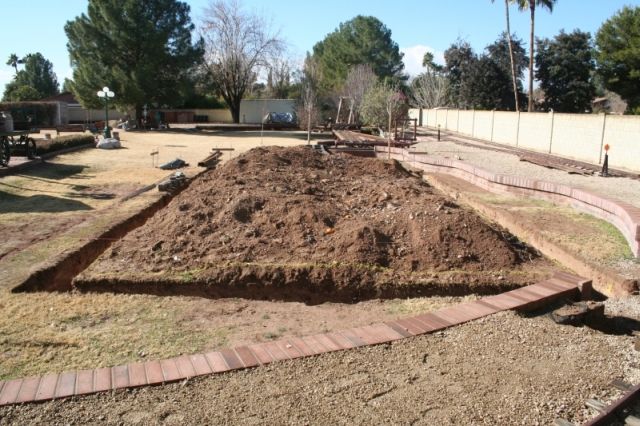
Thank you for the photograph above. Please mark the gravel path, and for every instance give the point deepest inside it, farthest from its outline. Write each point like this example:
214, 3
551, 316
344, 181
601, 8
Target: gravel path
504, 369
624, 189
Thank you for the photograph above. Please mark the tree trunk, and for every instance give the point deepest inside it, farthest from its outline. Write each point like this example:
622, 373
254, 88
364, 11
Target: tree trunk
234, 107
513, 64
532, 7
309, 127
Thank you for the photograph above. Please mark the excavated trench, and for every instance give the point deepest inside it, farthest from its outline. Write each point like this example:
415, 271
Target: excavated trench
294, 225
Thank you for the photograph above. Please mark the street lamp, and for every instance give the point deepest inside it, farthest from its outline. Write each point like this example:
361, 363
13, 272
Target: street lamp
105, 94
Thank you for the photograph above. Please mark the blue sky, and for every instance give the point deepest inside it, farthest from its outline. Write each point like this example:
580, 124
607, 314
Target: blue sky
416, 25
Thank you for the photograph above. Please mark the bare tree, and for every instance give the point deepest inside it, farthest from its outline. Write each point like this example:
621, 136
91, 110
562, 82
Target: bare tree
360, 79
280, 69
238, 44
382, 104
309, 96
430, 89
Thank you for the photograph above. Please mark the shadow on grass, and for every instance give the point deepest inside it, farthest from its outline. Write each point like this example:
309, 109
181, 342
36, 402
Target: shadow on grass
54, 171
11, 203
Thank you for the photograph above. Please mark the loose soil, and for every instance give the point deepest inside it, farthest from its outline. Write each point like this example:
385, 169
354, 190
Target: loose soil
292, 224
503, 369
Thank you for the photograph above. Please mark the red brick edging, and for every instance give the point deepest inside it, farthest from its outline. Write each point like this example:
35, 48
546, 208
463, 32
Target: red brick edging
624, 216
56, 386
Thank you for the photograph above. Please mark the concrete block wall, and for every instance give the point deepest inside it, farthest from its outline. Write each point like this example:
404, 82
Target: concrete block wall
483, 125
622, 134
252, 111
577, 136
505, 127
221, 115
465, 122
535, 131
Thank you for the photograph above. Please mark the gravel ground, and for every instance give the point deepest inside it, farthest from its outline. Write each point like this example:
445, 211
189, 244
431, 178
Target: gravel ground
624, 189
504, 369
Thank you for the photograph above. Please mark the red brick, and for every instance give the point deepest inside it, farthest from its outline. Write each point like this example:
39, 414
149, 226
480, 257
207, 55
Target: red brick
261, 353
28, 389
460, 313
216, 362
540, 291
185, 367
431, 322
370, 335
398, 329
301, 346
314, 345
246, 356
554, 284
231, 359
340, 340
288, 349
47, 388
274, 350
137, 374
526, 294
424, 323
325, 341
200, 364
170, 370
353, 337
475, 310
102, 379
66, 384
384, 332
365, 336
411, 327
153, 371
84, 382
514, 293
120, 377
504, 302
10, 391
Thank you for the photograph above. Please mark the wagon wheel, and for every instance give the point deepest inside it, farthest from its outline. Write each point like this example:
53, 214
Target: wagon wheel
5, 152
30, 148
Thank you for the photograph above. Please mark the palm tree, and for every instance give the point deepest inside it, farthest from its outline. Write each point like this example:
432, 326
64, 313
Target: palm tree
531, 5
14, 61
513, 65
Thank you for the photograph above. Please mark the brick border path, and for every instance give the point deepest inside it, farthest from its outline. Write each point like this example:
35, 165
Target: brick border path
83, 382
624, 216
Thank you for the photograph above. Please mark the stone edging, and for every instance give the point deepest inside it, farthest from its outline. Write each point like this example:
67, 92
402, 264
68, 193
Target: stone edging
623, 216
83, 382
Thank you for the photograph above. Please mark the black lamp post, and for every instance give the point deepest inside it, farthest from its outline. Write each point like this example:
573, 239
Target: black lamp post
106, 94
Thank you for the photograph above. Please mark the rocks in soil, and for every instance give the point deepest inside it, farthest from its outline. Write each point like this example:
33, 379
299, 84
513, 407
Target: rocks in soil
579, 313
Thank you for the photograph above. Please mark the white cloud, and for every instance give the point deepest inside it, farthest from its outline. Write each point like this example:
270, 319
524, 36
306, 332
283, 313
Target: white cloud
413, 56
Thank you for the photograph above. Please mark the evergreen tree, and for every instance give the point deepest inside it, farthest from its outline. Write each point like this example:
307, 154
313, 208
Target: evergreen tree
362, 40
36, 81
459, 58
142, 50
618, 43
500, 54
565, 66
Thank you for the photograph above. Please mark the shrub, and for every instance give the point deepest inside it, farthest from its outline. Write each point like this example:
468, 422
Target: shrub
64, 142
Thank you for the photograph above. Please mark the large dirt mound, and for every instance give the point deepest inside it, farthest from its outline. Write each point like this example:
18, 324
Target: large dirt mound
291, 216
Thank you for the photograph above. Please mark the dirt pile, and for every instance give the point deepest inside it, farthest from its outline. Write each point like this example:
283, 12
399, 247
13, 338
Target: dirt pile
295, 221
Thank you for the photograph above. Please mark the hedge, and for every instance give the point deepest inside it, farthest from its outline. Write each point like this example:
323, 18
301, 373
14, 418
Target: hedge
63, 142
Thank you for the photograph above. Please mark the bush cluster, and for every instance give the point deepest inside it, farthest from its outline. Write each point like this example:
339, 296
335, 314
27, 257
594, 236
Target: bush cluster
64, 142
